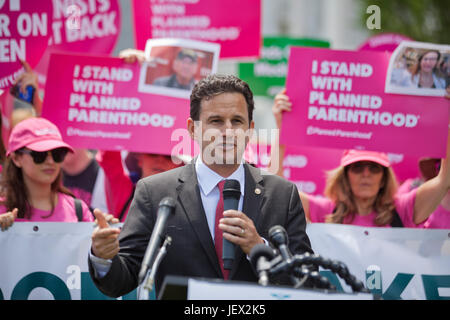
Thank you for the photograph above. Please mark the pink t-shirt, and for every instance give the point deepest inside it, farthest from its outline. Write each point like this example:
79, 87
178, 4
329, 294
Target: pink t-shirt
439, 219
320, 207
64, 212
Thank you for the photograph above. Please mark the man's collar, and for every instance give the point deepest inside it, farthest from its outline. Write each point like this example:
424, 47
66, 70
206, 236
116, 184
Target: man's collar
208, 179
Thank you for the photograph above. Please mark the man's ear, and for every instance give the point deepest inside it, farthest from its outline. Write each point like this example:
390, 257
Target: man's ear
251, 128
191, 127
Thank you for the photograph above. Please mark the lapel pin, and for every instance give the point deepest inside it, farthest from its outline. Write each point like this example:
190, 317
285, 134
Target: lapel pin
258, 191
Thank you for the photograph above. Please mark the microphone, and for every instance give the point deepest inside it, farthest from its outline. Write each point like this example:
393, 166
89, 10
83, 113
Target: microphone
279, 238
231, 196
260, 257
166, 208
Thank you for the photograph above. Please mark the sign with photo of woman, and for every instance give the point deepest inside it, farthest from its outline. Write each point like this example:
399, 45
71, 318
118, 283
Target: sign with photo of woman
419, 68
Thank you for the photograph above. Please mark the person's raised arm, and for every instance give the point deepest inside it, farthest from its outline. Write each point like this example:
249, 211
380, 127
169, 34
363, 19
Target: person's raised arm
118, 185
281, 104
132, 55
29, 78
430, 194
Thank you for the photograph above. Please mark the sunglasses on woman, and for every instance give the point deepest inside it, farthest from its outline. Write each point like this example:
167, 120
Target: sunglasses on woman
359, 167
39, 157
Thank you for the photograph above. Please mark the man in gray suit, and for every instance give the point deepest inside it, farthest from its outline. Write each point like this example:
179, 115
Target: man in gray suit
220, 121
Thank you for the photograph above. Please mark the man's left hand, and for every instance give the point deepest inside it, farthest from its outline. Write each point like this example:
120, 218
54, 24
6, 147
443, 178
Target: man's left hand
240, 230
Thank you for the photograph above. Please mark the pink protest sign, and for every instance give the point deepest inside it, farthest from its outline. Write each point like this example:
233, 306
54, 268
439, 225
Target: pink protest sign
25, 27
305, 167
82, 26
234, 24
383, 42
95, 102
339, 102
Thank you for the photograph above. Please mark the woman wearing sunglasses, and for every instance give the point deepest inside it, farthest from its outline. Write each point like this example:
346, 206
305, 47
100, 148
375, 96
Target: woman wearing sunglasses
31, 186
363, 189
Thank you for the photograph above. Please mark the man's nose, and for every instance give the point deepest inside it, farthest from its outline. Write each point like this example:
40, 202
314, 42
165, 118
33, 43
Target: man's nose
227, 125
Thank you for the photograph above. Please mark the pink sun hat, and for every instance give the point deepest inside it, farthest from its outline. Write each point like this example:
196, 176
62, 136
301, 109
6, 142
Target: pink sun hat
352, 156
37, 134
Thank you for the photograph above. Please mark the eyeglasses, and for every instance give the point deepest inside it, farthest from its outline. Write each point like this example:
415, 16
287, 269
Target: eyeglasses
58, 154
359, 167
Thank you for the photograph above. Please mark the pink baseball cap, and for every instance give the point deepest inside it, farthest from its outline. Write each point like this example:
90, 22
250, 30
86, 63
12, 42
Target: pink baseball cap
352, 156
37, 134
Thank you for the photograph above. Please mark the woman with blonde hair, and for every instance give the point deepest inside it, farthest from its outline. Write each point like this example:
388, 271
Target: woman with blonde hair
363, 189
360, 191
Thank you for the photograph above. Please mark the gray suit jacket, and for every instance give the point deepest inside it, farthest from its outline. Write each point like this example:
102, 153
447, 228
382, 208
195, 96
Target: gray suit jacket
192, 253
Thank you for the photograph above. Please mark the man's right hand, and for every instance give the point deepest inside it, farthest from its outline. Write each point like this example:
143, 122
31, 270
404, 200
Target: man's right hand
105, 243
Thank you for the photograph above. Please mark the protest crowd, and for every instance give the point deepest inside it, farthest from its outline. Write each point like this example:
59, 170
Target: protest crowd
44, 178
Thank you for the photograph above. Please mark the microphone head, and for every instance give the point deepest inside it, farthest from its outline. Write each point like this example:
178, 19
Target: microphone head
232, 189
167, 202
261, 250
278, 236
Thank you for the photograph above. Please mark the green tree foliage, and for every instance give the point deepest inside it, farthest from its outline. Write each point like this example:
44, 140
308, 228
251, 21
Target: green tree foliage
421, 20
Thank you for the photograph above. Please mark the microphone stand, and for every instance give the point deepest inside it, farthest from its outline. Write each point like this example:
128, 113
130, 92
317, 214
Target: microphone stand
296, 264
151, 273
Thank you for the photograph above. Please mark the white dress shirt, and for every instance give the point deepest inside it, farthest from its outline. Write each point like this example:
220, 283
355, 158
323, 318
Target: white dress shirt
209, 191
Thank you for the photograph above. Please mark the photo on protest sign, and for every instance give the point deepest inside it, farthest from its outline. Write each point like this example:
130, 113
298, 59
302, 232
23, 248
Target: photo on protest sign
419, 68
174, 66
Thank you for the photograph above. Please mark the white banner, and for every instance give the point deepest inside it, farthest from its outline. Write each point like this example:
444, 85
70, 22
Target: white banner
394, 263
49, 260
41, 261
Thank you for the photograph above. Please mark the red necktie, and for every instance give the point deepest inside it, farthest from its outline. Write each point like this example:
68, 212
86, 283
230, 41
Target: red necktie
218, 235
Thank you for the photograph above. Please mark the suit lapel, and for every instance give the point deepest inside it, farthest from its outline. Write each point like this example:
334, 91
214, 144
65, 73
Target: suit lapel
254, 193
190, 199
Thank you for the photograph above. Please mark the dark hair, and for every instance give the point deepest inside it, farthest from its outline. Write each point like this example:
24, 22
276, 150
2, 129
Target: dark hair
2, 145
216, 84
418, 68
15, 193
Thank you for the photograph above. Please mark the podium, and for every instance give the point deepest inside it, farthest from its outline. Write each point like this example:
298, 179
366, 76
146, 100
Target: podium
184, 288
